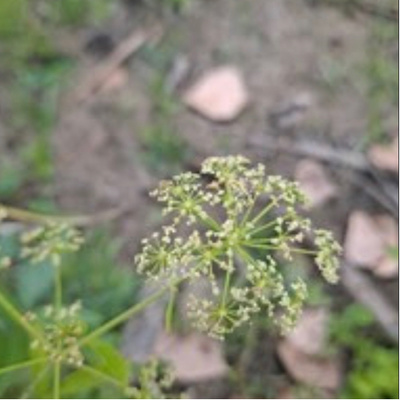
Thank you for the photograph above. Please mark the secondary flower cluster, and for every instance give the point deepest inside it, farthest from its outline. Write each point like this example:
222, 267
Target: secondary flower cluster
153, 380
62, 329
50, 242
228, 224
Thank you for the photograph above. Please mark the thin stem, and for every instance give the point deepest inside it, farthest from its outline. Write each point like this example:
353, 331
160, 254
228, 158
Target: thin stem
103, 376
56, 381
35, 382
127, 314
263, 227
170, 310
226, 287
248, 212
18, 317
291, 249
18, 214
58, 288
263, 212
246, 255
21, 365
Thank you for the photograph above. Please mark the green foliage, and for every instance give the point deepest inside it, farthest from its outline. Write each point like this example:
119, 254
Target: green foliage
374, 369
374, 374
381, 74
78, 12
104, 287
89, 275
64, 344
164, 150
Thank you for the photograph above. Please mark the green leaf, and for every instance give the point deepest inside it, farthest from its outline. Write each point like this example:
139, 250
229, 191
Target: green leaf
77, 382
34, 282
106, 358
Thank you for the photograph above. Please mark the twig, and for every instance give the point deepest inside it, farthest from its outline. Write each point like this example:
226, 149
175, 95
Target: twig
123, 51
20, 215
308, 148
378, 195
364, 291
339, 157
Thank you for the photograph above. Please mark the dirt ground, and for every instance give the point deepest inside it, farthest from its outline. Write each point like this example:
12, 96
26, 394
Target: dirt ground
285, 50
301, 64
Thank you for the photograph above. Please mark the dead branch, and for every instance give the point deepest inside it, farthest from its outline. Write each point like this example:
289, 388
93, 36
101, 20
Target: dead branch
364, 291
24, 216
103, 70
308, 148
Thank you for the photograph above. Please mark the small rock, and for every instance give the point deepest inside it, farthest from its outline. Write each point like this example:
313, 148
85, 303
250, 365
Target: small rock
320, 372
193, 358
385, 157
115, 81
310, 332
315, 182
368, 240
220, 95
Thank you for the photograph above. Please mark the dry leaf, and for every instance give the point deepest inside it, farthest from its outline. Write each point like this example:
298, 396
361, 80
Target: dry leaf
387, 268
193, 358
368, 240
219, 95
310, 332
385, 157
312, 370
116, 80
314, 181
302, 351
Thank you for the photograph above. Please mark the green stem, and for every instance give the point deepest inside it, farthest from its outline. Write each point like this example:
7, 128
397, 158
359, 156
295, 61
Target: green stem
170, 310
263, 227
103, 376
247, 257
226, 287
263, 212
21, 365
248, 212
56, 382
58, 288
291, 249
32, 217
18, 317
35, 382
127, 314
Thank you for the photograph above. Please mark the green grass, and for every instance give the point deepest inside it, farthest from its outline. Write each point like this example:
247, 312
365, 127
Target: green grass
374, 366
94, 275
381, 74
164, 150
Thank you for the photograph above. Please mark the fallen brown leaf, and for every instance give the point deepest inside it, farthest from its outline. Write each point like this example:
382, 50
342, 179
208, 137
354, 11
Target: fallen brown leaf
115, 80
385, 157
317, 371
368, 240
310, 332
193, 358
219, 95
315, 182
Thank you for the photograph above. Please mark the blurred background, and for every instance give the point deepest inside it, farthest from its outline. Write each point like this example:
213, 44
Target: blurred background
101, 99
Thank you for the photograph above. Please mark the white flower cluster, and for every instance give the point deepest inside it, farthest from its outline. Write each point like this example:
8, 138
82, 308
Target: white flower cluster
154, 379
62, 330
50, 242
241, 214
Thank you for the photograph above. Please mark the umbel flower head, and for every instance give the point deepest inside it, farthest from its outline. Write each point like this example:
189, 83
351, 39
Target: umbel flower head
50, 242
219, 229
62, 328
